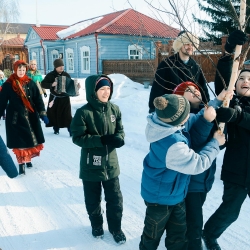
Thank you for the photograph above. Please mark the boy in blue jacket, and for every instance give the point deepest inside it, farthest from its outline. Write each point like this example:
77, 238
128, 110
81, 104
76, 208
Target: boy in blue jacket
168, 166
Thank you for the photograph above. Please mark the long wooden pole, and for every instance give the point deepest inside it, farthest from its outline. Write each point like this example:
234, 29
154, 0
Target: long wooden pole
235, 69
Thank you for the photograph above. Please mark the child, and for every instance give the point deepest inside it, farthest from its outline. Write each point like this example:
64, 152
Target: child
202, 183
235, 172
168, 166
97, 129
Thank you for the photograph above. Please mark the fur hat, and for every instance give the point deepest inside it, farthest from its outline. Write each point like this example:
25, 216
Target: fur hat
180, 89
58, 63
172, 109
185, 38
102, 82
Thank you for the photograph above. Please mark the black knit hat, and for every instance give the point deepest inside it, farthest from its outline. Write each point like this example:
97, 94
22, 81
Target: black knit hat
172, 109
58, 63
102, 82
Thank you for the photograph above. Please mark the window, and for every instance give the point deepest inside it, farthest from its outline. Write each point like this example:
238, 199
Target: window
85, 59
41, 60
33, 35
33, 56
17, 57
70, 60
134, 52
55, 55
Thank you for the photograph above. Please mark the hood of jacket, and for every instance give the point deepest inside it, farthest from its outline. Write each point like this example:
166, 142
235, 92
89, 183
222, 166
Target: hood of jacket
157, 129
91, 95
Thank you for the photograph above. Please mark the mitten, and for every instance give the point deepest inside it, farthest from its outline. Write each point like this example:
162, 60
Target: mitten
112, 141
106, 139
237, 37
117, 142
45, 95
0, 88
45, 119
227, 115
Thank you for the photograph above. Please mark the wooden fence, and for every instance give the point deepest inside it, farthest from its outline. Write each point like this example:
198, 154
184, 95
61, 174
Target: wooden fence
136, 70
144, 70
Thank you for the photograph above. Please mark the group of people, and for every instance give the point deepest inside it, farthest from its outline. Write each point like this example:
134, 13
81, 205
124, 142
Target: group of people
182, 129
22, 105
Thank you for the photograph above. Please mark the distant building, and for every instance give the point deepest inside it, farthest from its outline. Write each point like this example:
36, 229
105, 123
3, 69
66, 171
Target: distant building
122, 35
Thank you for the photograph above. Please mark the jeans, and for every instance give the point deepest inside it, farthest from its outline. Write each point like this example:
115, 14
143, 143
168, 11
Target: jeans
160, 218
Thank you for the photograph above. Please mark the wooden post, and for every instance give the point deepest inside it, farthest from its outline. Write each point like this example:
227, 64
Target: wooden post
235, 69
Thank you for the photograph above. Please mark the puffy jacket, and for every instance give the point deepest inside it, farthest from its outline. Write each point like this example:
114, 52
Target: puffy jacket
171, 72
91, 121
170, 162
236, 161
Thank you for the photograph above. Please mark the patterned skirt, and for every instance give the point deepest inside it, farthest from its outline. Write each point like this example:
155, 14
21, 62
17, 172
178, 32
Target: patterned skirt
24, 155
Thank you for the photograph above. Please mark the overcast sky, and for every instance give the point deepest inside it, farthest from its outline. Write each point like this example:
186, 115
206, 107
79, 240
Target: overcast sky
68, 12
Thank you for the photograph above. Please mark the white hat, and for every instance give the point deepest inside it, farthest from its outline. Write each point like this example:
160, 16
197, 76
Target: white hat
185, 38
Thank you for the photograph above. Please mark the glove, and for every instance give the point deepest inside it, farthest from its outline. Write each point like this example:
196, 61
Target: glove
0, 88
112, 140
237, 37
227, 115
45, 95
45, 119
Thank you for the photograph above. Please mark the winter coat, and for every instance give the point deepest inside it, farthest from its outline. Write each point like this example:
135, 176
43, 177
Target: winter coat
6, 161
37, 78
236, 161
171, 72
170, 162
2, 81
90, 122
202, 182
60, 113
23, 128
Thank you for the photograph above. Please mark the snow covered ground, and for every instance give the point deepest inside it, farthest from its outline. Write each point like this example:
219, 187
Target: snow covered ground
45, 208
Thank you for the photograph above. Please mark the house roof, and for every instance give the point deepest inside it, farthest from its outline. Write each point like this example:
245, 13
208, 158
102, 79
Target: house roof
128, 22
16, 42
48, 32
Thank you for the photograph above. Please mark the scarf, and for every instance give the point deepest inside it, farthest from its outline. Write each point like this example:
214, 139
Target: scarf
18, 83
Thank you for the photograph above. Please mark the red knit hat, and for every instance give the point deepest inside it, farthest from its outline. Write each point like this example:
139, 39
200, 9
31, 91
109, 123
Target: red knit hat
180, 89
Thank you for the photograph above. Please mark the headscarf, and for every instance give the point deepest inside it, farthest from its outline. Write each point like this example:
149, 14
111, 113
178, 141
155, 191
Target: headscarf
18, 83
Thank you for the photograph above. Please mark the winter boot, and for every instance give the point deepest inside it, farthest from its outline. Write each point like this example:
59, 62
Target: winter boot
21, 168
56, 130
29, 165
119, 237
210, 243
69, 132
97, 232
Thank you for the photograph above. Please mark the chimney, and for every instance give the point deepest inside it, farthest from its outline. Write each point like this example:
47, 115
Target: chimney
37, 21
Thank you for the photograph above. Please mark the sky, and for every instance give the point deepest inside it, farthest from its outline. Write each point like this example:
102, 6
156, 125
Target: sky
65, 12
45, 210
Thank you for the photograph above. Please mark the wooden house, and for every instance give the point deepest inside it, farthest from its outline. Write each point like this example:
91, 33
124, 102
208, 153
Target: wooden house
123, 35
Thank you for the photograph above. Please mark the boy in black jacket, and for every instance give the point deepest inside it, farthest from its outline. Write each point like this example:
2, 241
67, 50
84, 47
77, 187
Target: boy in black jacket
235, 172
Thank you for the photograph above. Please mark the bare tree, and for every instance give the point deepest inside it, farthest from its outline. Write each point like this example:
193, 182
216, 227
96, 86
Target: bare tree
9, 13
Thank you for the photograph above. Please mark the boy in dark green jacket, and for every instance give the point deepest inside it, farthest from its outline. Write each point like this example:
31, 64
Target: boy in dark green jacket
97, 129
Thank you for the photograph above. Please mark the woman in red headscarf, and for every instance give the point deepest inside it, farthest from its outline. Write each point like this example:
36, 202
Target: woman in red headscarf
25, 106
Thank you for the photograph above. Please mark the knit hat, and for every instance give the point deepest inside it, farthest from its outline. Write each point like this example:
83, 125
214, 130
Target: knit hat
180, 89
58, 63
185, 38
102, 82
172, 109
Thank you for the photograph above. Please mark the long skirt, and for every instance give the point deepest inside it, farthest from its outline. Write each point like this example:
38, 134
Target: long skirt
24, 155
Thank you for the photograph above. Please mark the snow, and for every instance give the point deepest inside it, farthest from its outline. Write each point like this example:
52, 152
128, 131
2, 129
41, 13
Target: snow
45, 208
77, 27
